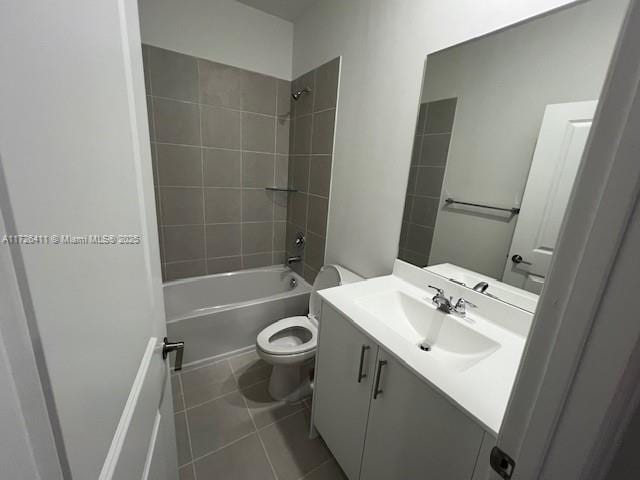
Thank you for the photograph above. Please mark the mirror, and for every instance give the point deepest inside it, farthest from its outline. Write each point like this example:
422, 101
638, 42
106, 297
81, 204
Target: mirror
503, 121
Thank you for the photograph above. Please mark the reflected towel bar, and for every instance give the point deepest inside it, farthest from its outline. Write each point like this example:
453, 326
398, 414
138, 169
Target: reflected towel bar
277, 189
513, 211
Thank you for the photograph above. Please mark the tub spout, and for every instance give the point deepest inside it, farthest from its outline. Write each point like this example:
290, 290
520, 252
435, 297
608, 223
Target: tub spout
295, 259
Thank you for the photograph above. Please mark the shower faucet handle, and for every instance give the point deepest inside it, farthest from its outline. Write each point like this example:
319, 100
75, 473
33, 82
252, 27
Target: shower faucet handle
300, 240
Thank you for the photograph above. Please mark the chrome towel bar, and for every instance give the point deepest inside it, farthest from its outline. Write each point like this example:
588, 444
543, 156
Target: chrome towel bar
513, 210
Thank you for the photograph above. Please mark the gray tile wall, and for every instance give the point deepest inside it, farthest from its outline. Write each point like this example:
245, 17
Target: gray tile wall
219, 136
312, 133
428, 163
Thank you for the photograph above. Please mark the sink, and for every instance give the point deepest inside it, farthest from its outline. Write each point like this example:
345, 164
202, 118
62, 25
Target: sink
442, 337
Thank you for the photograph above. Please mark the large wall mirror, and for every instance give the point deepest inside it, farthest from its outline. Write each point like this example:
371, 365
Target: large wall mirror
502, 125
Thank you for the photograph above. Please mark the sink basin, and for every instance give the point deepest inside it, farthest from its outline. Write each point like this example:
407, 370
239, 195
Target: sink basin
442, 337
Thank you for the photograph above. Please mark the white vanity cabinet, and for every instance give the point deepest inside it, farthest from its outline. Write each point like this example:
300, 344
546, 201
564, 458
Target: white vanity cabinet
345, 369
406, 430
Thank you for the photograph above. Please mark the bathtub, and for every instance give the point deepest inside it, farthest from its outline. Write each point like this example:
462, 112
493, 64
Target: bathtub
216, 315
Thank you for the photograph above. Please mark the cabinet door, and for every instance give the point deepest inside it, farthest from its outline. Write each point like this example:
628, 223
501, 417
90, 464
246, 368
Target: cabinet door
414, 432
343, 380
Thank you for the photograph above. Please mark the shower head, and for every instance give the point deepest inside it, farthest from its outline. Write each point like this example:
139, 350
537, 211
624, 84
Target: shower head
299, 93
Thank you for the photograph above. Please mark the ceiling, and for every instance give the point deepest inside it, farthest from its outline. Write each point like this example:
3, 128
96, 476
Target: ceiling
286, 9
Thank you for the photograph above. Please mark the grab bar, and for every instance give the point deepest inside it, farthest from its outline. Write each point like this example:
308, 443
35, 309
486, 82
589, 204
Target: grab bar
513, 211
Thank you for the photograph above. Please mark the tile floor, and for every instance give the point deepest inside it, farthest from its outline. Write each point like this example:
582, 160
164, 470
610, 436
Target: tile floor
229, 428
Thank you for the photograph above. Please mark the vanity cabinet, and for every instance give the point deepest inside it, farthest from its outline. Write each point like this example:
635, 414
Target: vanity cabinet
391, 424
345, 370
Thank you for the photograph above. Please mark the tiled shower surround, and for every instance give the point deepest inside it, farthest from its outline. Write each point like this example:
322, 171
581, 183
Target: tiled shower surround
311, 153
428, 163
219, 136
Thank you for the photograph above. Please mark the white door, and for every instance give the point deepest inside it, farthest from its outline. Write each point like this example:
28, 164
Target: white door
75, 158
563, 135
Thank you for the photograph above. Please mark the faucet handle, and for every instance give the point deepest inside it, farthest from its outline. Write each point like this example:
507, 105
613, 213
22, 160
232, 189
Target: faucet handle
461, 306
439, 290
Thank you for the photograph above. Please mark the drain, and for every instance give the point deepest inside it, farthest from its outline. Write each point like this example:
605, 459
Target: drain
425, 347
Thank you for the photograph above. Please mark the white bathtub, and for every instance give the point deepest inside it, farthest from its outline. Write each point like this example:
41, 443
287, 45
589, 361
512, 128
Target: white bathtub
223, 313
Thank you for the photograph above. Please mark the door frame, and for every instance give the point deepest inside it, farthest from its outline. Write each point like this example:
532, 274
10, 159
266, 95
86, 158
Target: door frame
569, 311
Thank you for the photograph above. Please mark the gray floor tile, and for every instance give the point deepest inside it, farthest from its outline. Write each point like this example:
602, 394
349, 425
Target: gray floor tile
264, 409
327, 471
243, 460
249, 369
182, 439
218, 423
178, 401
290, 450
186, 472
207, 383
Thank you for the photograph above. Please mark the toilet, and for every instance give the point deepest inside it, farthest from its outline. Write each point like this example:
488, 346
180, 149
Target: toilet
290, 344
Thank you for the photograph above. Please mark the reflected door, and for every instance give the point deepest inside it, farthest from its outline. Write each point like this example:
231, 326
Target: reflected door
563, 135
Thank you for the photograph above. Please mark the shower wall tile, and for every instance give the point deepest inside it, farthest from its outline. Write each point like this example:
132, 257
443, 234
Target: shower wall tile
435, 148
284, 99
282, 171
177, 270
426, 175
258, 260
222, 168
302, 135
257, 206
181, 206
440, 116
176, 122
223, 240
320, 175
327, 85
258, 133
323, 125
223, 205
259, 93
283, 127
258, 169
173, 75
220, 85
183, 243
299, 172
179, 166
317, 215
257, 237
224, 264
221, 127
310, 161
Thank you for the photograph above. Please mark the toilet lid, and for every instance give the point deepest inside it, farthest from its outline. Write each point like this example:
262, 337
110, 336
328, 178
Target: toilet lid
327, 277
288, 336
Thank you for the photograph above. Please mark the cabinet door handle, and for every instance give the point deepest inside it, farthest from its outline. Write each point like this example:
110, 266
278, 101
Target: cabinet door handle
362, 352
377, 390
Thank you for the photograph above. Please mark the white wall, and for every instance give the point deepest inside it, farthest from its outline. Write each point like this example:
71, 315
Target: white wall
224, 31
503, 83
384, 45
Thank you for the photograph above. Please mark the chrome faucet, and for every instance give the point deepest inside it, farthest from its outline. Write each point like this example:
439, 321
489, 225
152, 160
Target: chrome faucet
481, 287
446, 305
440, 300
295, 259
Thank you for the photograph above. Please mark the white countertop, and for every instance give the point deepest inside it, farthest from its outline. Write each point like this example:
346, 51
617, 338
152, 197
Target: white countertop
482, 391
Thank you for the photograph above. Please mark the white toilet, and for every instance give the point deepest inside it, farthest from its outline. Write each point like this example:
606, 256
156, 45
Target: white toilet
290, 344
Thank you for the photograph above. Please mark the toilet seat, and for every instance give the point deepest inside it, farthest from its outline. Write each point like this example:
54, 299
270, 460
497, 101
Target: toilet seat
281, 337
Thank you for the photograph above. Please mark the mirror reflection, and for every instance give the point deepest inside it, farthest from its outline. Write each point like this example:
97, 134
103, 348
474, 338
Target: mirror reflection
503, 122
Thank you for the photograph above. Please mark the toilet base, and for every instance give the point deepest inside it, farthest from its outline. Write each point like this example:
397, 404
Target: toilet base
290, 383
